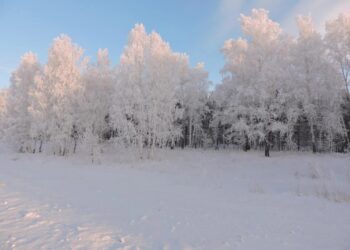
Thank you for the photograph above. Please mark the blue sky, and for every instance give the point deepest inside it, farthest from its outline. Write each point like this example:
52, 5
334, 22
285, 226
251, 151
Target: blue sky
196, 27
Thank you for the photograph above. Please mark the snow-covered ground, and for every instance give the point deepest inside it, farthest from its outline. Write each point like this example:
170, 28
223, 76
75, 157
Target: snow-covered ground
182, 200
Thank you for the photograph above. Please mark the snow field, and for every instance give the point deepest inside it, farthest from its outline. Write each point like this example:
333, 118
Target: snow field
181, 200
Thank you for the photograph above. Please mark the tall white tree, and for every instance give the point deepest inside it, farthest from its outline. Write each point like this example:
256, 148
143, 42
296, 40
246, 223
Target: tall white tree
145, 108
337, 39
18, 118
98, 83
256, 96
3, 94
318, 86
193, 95
62, 76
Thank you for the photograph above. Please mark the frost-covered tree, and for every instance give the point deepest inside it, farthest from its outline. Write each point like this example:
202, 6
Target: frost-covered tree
317, 87
337, 39
277, 91
193, 96
98, 89
39, 111
62, 77
19, 120
3, 93
145, 106
255, 105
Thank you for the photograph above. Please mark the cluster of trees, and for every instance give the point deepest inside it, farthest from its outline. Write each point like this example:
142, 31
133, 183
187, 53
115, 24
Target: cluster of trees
277, 92
285, 92
68, 102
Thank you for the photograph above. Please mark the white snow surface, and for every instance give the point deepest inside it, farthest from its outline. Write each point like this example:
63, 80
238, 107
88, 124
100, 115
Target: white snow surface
184, 199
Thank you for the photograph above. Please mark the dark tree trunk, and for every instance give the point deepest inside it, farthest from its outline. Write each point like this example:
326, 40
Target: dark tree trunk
298, 139
279, 141
314, 149
267, 144
75, 146
41, 145
246, 145
267, 148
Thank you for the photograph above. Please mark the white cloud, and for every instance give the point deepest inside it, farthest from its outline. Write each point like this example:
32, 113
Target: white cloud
225, 20
320, 10
228, 12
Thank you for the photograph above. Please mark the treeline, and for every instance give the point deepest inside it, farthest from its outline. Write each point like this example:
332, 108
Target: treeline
278, 92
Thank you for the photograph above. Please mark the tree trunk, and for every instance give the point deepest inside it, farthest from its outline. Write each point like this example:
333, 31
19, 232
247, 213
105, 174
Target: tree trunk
92, 154
75, 146
140, 146
314, 149
279, 141
267, 148
246, 145
172, 145
34, 146
40, 146
190, 132
298, 137
267, 145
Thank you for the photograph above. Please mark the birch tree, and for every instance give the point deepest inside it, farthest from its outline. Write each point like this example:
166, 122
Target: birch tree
145, 109
18, 118
257, 103
318, 86
98, 86
62, 75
